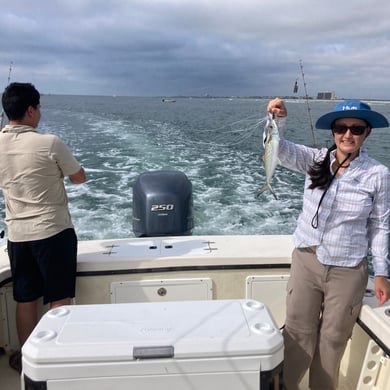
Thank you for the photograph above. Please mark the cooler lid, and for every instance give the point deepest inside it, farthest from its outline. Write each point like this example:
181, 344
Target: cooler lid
132, 331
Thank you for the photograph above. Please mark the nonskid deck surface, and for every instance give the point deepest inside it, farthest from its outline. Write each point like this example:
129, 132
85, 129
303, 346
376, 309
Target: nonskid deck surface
10, 379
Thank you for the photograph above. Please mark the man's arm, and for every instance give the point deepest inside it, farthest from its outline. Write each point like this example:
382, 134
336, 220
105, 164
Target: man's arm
78, 177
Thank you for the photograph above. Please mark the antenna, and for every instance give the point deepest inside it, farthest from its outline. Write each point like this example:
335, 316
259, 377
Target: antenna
307, 104
8, 81
9, 72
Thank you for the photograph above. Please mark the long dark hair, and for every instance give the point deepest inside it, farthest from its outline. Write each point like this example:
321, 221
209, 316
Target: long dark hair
320, 174
322, 177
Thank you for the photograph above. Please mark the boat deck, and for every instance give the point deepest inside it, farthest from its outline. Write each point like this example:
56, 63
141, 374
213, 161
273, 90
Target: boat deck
10, 379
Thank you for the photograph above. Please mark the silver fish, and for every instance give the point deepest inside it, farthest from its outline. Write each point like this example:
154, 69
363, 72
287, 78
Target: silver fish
271, 152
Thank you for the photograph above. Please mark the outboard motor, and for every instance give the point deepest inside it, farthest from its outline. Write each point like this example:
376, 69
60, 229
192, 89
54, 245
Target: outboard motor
162, 204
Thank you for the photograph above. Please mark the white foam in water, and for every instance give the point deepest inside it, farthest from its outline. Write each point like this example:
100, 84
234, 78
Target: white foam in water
215, 142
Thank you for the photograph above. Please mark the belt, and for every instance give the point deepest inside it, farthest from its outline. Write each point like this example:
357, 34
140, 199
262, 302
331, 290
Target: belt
311, 249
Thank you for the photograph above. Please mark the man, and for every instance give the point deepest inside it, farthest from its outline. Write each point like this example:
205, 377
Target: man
42, 244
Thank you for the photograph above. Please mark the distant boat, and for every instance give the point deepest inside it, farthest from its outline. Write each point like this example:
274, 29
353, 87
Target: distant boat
168, 100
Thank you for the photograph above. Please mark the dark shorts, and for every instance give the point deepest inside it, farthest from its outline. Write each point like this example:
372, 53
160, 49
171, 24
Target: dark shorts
44, 267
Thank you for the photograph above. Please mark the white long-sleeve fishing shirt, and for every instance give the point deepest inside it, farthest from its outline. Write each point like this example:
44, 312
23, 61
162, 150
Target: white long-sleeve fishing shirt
354, 215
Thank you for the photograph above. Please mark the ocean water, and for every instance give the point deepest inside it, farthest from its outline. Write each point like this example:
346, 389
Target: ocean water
215, 142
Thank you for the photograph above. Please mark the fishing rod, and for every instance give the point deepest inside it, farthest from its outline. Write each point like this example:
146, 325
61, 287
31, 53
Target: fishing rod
307, 104
8, 81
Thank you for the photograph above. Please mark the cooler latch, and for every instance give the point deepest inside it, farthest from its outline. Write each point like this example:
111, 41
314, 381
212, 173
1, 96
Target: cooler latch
157, 352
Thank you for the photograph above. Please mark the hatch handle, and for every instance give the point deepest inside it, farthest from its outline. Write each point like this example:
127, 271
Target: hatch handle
154, 352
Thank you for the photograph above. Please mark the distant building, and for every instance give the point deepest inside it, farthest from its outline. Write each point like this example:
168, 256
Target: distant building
326, 95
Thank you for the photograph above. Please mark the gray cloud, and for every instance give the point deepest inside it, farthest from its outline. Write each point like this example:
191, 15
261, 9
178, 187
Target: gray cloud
182, 47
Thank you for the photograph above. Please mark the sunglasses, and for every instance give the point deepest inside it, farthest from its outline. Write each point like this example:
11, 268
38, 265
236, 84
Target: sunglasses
355, 129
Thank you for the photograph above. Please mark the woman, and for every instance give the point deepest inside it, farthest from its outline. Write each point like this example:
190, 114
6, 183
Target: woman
346, 206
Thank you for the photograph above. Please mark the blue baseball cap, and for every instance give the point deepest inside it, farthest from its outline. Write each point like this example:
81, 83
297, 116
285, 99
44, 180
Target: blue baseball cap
352, 109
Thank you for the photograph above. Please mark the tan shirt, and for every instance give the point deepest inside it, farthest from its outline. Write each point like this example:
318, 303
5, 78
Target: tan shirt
32, 171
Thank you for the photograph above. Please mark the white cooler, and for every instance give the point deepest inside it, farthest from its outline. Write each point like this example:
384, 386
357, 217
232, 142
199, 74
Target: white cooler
194, 345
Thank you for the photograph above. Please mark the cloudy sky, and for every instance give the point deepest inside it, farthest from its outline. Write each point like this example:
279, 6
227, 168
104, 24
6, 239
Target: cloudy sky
197, 47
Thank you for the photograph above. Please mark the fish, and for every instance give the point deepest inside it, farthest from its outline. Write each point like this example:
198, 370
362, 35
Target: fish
271, 152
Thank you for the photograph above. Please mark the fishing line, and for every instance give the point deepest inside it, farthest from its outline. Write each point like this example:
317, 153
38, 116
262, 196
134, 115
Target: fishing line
230, 137
8, 81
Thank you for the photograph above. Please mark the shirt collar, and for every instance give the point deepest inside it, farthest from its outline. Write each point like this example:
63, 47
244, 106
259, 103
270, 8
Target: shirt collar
17, 129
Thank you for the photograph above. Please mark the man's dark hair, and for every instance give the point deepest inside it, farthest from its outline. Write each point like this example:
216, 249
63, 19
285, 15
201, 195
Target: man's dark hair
17, 98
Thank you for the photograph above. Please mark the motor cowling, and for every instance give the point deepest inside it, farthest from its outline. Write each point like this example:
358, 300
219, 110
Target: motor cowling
162, 204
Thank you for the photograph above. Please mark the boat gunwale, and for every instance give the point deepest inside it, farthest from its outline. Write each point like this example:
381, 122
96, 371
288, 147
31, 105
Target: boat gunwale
373, 336
176, 268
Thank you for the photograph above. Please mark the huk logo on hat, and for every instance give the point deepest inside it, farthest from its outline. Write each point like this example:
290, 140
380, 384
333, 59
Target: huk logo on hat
349, 108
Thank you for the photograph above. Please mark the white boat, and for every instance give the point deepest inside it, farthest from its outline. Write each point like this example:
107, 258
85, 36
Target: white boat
203, 268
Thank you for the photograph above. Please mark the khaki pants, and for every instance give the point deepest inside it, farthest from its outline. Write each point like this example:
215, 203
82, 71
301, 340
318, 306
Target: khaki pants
323, 303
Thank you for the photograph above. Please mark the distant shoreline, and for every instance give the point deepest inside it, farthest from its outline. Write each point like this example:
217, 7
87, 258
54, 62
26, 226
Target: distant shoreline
174, 97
